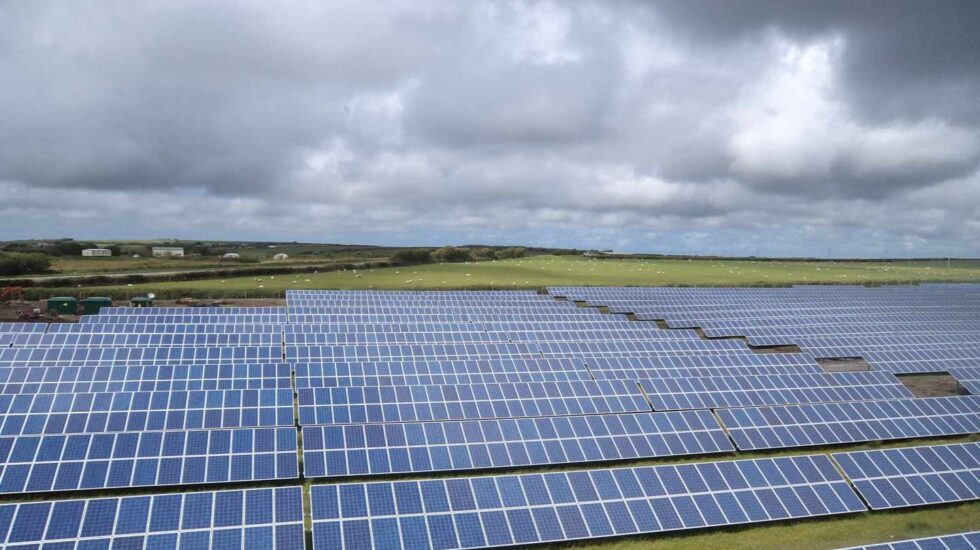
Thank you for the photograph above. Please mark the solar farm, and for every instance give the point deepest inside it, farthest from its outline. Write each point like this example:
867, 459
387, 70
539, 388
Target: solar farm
480, 419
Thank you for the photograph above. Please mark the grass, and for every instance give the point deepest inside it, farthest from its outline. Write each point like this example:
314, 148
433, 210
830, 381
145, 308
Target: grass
541, 271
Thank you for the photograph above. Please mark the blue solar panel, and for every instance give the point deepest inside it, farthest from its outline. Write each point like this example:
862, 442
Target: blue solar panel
958, 541
253, 518
138, 411
136, 378
531, 508
740, 391
914, 476
131, 459
835, 423
359, 449
343, 405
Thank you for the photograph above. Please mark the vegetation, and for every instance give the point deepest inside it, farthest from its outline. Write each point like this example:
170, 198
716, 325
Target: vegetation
541, 271
510, 253
23, 264
452, 254
411, 257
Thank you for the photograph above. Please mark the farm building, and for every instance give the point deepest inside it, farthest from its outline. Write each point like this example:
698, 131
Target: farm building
231, 256
96, 252
281, 257
164, 251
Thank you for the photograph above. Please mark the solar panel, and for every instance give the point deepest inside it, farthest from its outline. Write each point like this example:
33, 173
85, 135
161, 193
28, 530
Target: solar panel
958, 541
24, 357
366, 449
138, 411
968, 377
344, 405
134, 378
914, 476
836, 423
563, 506
908, 330
137, 459
253, 518
739, 391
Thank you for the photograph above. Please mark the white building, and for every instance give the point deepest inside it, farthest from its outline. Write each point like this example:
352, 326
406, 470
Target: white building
164, 251
93, 252
281, 257
231, 256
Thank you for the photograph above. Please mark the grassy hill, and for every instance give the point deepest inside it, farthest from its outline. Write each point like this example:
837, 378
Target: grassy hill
541, 271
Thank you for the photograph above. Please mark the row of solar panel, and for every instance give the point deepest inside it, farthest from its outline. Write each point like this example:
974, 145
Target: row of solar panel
141, 340
425, 403
734, 391
435, 446
914, 476
191, 311
600, 366
492, 350
252, 518
531, 508
380, 448
101, 461
350, 338
958, 541
157, 318
163, 328
25, 357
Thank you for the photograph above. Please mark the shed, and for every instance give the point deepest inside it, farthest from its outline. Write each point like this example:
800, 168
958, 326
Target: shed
65, 305
93, 304
232, 256
141, 301
162, 251
281, 257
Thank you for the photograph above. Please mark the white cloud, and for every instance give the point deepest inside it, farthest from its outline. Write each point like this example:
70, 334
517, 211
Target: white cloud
794, 127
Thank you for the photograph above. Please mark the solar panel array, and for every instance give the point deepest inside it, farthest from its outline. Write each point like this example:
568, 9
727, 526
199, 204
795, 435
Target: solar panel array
836, 423
523, 509
959, 541
253, 518
913, 476
366, 449
901, 329
339, 385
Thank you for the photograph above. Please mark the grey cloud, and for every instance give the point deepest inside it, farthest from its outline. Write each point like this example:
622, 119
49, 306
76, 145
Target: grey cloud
641, 125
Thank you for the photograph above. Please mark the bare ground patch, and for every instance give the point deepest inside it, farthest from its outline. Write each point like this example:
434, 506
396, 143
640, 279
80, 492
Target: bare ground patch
931, 385
844, 364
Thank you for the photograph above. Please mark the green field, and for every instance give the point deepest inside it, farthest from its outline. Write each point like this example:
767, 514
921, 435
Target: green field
542, 271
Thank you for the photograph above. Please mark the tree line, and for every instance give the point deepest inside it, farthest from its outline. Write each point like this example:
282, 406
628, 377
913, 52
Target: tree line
451, 254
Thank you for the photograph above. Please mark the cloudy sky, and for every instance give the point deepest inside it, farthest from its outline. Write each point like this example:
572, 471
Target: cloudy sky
844, 128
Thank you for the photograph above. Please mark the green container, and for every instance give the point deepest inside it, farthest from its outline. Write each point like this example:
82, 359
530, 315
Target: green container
141, 301
93, 304
63, 305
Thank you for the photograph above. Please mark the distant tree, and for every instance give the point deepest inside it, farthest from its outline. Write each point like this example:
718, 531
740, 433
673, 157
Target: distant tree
23, 264
451, 254
410, 257
512, 252
483, 253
